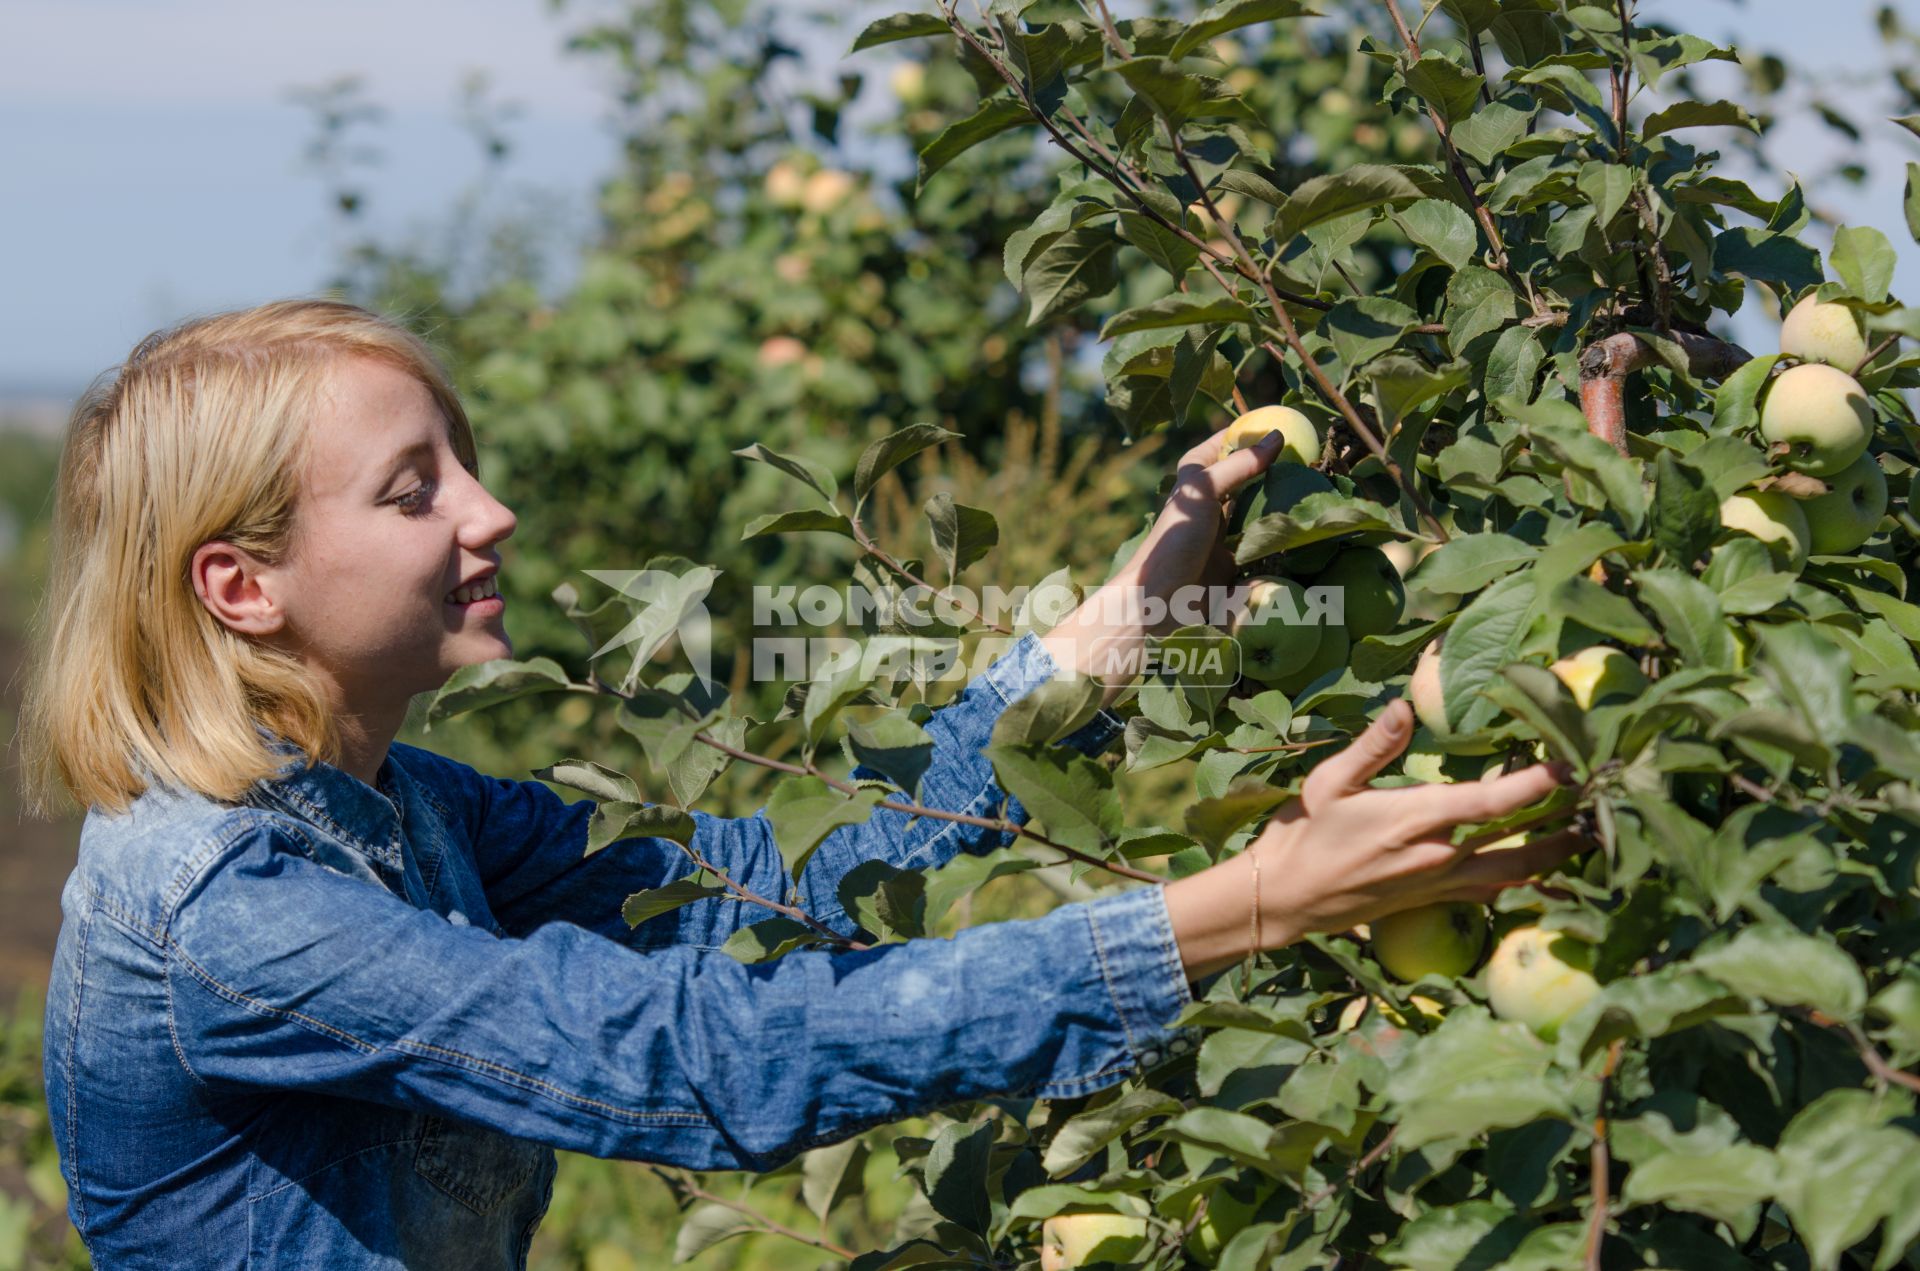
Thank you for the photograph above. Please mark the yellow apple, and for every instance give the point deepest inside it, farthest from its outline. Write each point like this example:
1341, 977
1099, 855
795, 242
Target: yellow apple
1445, 938
1302, 440
909, 83
1426, 693
1540, 978
1821, 415
1819, 332
1773, 518
785, 183
780, 350
1076, 1240
1275, 639
1600, 674
1848, 514
826, 190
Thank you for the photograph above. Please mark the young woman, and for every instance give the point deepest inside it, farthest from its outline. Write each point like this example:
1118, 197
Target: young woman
325, 1000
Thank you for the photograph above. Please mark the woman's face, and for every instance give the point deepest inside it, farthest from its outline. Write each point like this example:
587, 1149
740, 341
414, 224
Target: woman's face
387, 526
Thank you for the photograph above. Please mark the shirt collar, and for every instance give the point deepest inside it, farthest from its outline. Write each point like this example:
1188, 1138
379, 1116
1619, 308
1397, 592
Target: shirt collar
369, 819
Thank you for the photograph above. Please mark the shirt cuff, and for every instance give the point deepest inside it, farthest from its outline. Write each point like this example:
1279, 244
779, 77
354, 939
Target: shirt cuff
1026, 666
1140, 964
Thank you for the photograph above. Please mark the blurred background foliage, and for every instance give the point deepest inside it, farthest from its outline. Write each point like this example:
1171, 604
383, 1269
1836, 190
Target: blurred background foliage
762, 273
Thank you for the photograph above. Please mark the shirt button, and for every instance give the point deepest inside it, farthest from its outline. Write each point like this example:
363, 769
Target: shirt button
1151, 1057
1180, 1045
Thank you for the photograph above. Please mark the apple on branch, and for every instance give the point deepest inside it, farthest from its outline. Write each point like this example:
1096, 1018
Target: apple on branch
1540, 978
1273, 633
1373, 595
1775, 519
1849, 512
1445, 939
1819, 331
1301, 443
1600, 674
1821, 415
1068, 1241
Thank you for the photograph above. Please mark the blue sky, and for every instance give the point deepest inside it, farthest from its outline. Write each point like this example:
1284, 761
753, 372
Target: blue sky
152, 159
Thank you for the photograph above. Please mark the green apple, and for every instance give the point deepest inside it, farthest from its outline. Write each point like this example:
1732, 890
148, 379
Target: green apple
1335, 646
1077, 1240
1821, 332
1540, 978
1821, 415
1301, 442
1848, 514
1773, 518
909, 83
1274, 636
1230, 1210
1445, 938
1371, 588
1600, 674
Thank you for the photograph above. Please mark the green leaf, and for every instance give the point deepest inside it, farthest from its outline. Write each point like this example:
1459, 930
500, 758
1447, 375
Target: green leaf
1911, 201
995, 116
1767, 257
1450, 88
804, 810
956, 1174
1473, 1234
1073, 268
1865, 261
900, 26
1486, 636
706, 1226
1231, 15
613, 821
1776, 963
1047, 713
1736, 402
1607, 185
1314, 519
1071, 794
1685, 516
1471, 1075
1178, 97
1158, 243
814, 475
800, 520
1468, 563
831, 1175
1726, 1183
1536, 695
769, 940
1339, 194
1690, 615
1579, 451
1442, 228
1845, 1167
893, 746
892, 450
1215, 820
501, 680
1367, 327
1176, 311
961, 534
655, 901
1586, 602
1691, 114
887, 901
591, 778
1079, 1139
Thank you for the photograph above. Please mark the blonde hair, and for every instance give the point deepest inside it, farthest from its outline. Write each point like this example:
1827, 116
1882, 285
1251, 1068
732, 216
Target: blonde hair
201, 434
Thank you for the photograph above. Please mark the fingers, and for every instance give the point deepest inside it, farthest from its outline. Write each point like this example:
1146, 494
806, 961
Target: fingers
1243, 465
1353, 768
1502, 867
1436, 807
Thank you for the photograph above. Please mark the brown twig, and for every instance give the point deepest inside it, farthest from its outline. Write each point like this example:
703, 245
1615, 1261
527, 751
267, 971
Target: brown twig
1622, 81
880, 554
766, 1224
1606, 363
1358, 1168
1875, 1062
754, 898
1875, 352
1599, 1162
1496, 245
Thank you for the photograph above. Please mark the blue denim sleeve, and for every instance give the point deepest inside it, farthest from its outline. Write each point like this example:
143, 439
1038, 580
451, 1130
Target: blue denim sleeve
528, 842
284, 974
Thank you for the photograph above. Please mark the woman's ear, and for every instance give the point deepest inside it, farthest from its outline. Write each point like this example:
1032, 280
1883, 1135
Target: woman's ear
237, 588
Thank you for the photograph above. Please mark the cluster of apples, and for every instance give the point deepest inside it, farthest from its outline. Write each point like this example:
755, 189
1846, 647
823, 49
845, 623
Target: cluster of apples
1819, 420
1280, 646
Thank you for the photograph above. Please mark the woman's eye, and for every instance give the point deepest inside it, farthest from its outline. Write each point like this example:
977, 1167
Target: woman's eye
414, 501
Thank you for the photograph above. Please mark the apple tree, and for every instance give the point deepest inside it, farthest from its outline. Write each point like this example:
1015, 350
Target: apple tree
1627, 544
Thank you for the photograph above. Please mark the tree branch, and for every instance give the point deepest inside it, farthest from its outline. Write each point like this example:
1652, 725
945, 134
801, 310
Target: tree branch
1606, 363
1600, 1164
683, 1183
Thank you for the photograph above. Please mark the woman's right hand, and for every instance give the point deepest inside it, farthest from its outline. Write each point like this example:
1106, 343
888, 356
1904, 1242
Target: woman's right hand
1345, 853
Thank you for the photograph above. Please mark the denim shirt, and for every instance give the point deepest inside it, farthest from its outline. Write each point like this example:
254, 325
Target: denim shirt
343, 1026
